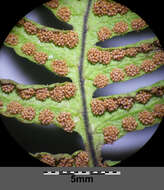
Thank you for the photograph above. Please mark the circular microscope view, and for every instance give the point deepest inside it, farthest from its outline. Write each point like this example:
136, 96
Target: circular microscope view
81, 83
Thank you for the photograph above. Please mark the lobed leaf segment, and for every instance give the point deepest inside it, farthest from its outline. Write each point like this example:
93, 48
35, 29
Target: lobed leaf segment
40, 104
113, 116
79, 158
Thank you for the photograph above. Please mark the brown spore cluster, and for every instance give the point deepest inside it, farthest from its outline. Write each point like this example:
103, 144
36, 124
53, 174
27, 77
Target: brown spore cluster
69, 39
105, 57
131, 52
125, 102
72, 39
64, 14
40, 57
143, 97
146, 47
65, 162
21, 22
66, 121
118, 54
104, 7
59, 39
95, 56
148, 66
82, 159
158, 58
157, 91
57, 93
26, 93
28, 113
129, 123
1, 104
120, 27
122, 9
7, 88
101, 81
30, 28
117, 75
132, 70
53, 4
48, 159
42, 94
60, 67
69, 90
104, 33
110, 134
111, 104
159, 110
138, 24
97, 107
146, 117
28, 48
46, 117
45, 35
14, 108
12, 39
157, 43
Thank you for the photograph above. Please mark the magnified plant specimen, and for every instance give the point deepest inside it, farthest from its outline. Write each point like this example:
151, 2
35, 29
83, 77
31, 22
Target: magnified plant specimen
73, 54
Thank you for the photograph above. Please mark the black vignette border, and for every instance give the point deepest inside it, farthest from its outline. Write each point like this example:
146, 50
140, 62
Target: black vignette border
150, 154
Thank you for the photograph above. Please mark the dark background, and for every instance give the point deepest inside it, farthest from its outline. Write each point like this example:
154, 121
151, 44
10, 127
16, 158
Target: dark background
11, 154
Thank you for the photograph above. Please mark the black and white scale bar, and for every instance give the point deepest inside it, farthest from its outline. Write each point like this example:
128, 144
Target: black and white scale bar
51, 173
82, 173
113, 173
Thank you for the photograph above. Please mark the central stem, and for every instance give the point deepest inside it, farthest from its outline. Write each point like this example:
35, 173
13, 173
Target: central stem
82, 81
